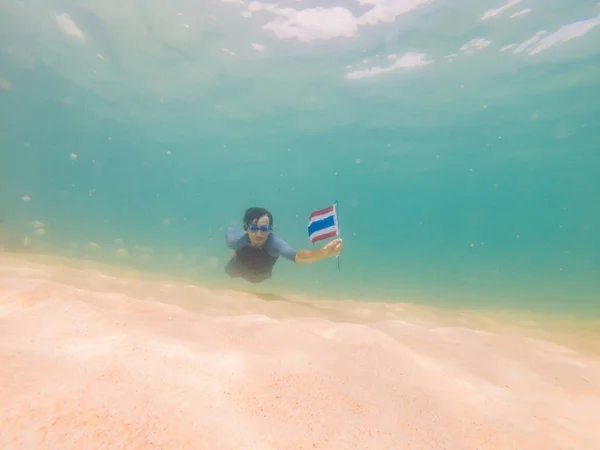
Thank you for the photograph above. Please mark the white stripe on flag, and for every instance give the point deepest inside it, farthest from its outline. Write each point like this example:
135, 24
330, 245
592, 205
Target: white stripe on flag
323, 231
323, 216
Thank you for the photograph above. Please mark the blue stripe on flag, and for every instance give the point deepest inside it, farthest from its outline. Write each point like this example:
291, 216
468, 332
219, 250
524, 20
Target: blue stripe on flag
321, 224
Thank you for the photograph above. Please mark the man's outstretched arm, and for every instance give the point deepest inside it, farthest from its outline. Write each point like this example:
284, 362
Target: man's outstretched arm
332, 248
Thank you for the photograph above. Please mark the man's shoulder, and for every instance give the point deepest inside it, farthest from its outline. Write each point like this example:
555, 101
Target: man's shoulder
273, 242
236, 238
278, 247
274, 239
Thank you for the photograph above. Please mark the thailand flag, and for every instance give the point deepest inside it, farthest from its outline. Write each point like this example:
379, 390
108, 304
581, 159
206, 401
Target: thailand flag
323, 224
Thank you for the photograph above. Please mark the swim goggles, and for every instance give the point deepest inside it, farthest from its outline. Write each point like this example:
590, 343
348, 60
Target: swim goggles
263, 228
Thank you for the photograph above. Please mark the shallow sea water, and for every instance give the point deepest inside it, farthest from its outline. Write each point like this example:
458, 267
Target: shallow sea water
460, 139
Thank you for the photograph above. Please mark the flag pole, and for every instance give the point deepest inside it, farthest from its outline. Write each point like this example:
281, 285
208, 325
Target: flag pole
337, 217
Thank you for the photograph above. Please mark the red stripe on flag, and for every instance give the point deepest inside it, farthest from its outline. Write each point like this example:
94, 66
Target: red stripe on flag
324, 236
322, 211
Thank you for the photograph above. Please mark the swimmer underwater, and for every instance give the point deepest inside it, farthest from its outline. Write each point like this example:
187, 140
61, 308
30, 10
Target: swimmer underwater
256, 249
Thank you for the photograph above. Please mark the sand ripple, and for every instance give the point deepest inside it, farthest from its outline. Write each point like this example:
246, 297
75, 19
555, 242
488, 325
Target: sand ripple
89, 364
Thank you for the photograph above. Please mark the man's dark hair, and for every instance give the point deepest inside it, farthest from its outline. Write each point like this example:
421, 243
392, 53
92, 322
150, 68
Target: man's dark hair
256, 213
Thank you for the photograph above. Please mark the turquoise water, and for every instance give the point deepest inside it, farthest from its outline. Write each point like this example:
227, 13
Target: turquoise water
461, 140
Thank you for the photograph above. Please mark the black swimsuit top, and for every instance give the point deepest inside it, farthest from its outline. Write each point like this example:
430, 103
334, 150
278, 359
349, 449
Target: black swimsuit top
256, 262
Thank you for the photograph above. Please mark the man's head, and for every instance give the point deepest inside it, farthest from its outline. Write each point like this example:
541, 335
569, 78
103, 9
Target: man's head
258, 223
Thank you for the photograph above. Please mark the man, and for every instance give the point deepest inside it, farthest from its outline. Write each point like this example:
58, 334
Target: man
256, 249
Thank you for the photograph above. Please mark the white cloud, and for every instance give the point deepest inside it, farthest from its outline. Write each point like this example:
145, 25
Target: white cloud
312, 24
475, 44
529, 43
566, 33
542, 41
321, 23
521, 13
259, 6
258, 47
496, 11
387, 10
408, 61
68, 26
469, 48
451, 57
507, 47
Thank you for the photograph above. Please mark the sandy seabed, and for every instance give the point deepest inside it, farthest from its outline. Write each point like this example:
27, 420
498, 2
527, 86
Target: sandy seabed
94, 360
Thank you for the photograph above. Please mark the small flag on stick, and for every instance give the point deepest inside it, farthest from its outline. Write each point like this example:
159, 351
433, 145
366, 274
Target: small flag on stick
323, 224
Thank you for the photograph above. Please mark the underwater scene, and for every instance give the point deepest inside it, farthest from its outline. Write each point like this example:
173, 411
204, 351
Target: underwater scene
457, 144
461, 142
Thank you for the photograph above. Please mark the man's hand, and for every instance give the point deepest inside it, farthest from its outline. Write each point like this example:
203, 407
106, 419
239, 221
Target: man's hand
333, 248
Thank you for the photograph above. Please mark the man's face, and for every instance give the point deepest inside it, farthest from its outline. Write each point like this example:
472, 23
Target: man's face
259, 230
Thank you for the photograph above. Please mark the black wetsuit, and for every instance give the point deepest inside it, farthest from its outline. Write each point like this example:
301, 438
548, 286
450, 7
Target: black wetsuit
255, 264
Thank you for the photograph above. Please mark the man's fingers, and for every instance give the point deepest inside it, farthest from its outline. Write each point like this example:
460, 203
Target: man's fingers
335, 246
